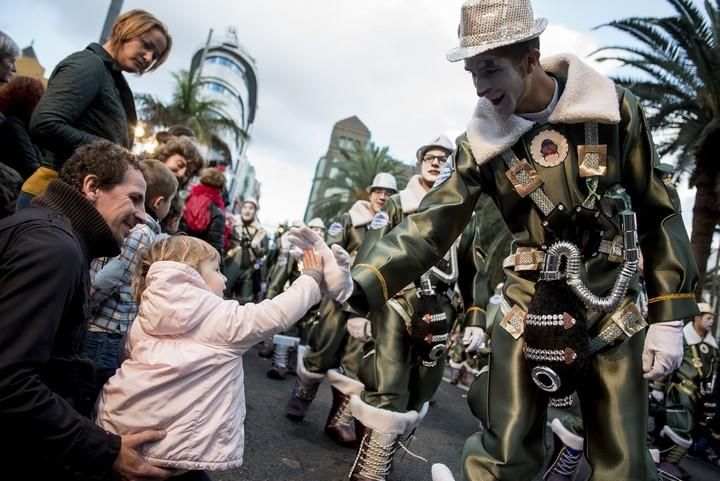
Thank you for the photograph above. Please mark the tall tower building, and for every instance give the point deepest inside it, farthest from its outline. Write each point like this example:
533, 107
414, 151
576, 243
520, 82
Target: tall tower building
344, 134
230, 73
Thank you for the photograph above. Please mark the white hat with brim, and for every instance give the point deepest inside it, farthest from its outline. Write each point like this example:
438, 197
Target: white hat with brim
383, 180
440, 142
705, 308
489, 24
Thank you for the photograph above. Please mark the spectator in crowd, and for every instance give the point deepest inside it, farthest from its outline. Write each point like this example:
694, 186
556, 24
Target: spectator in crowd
9, 51
17, 101
113, 305
181, 156
88, 97
46, 389
171, 223
204, 214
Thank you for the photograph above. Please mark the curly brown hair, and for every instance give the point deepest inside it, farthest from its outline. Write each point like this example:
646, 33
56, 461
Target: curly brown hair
184, 147
212, 177
106, 160
20, 96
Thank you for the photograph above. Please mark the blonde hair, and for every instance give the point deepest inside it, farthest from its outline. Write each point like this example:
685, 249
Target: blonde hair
135, 23
188, 250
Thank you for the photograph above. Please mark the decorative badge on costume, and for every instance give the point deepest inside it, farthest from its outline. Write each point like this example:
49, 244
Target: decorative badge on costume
334, 229
380, 220
703, 348
445, 172
549, 148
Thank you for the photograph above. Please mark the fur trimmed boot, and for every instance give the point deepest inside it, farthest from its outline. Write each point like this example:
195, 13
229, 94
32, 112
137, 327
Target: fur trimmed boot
282, 345
340, 425
304, 390
672, 454
455, 372
380, 440
266, 349
565, 464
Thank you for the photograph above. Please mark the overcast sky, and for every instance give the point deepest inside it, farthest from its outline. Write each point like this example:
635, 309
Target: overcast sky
320, 61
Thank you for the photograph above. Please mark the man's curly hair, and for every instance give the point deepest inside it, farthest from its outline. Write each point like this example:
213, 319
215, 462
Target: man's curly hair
184, 147
106, 160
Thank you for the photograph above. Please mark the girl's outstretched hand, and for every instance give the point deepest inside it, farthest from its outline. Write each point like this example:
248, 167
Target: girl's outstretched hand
312, 261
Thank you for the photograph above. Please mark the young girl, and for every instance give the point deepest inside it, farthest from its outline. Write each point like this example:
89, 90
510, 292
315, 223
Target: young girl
183, 373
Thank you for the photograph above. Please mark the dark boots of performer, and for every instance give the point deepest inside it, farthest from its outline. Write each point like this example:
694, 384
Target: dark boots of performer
689, 388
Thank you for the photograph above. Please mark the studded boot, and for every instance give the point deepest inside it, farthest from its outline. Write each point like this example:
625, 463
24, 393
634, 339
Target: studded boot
670, 456
567, 460
340, 425
380, 440
282, 346
304, 390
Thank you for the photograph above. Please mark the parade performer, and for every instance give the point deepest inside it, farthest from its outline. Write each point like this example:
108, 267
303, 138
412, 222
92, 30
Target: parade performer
690, 387
248, 245
287, 269
410, 331
331, 351
579, 196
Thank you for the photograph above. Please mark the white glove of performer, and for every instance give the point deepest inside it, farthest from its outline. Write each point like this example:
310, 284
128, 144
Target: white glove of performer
473, 338
663, 351
359, 328
337, 282
658, 396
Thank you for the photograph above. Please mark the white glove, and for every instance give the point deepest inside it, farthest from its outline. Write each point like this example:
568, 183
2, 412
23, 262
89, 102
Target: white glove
359, 328
337, 282
658, 396
473, 338
663, 351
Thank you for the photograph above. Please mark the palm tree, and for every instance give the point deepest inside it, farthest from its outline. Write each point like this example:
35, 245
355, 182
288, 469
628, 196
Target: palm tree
681, 56
354, 173
189, 107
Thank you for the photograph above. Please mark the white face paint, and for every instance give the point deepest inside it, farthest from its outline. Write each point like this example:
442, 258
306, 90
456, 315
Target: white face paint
498, 80
705, 321
247, 212
432, 162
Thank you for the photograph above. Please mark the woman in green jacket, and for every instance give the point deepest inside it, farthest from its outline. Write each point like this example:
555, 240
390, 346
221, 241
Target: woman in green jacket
88, 98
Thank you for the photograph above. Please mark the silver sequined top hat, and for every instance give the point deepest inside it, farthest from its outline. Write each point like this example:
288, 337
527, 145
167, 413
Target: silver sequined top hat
489, 24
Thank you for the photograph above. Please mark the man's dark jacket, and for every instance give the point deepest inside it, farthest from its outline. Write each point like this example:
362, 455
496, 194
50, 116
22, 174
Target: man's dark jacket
45, 252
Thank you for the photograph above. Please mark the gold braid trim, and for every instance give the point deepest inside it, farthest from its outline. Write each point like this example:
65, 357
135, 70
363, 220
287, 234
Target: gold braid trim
671, 297
380, 278
475, 308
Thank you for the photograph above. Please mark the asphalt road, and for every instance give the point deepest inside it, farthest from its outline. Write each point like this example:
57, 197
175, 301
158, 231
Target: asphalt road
277, 449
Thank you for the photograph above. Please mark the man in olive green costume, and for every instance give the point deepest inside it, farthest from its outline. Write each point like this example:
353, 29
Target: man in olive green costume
331, 352
248, 244
689, 387
399, 378
559, 147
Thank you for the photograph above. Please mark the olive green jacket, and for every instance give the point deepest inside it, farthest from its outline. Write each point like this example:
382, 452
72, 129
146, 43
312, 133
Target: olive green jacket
423, 238
470, 263
349, 231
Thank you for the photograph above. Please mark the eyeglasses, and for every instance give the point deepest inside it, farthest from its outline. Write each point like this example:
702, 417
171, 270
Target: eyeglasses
431, 157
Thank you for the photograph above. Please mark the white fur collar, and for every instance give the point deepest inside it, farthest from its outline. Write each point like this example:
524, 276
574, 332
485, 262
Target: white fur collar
412, 195
692, 337
588, 96
360, 213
